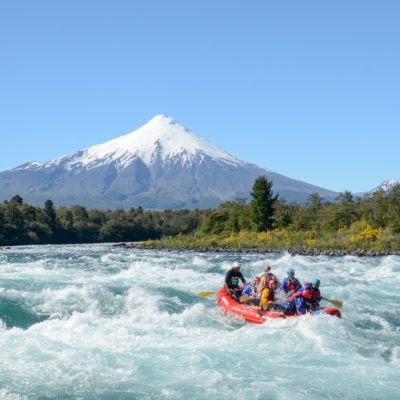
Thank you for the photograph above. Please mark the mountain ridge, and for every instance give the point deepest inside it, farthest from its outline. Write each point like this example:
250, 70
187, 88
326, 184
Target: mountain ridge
159, 165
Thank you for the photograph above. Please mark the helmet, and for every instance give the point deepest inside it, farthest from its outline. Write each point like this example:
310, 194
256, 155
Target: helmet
236, 265
307, 285
307, 294
315, 282
290, 271
256, 279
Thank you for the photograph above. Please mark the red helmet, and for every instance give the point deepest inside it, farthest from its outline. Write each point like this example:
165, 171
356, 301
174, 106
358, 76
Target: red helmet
256, 279
307, 293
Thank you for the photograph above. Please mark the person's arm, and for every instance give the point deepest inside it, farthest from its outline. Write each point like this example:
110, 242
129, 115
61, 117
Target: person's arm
295, 295
228, 277
227, 280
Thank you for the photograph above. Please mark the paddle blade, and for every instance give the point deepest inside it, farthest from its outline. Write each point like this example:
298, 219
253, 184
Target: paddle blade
337, 303
204, 294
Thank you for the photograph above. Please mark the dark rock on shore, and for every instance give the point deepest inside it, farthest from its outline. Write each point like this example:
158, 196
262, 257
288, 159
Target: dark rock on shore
302, 251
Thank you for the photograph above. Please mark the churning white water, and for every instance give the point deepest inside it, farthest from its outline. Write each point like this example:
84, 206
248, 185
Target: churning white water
99, 322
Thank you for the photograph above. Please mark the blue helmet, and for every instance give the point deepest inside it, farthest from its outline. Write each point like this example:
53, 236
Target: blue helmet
290, 271
315, 282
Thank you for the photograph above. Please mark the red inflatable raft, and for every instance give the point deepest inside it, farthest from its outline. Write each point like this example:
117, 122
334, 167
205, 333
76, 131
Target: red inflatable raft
254, 315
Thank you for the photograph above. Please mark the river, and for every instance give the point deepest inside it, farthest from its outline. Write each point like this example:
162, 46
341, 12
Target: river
101, 322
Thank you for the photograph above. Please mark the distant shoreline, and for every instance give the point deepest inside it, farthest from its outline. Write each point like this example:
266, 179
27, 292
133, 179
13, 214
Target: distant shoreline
293, 251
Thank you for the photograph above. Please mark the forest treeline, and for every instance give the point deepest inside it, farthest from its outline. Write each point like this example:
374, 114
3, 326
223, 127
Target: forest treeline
368, 222
22, 223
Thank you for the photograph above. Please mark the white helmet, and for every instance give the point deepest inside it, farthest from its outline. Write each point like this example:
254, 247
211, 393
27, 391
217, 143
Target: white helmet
236, 265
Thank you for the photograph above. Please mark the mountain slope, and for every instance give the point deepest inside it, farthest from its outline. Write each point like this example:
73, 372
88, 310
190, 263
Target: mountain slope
160, 165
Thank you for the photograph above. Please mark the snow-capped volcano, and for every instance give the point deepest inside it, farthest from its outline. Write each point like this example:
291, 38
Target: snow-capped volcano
160, 139
159, 165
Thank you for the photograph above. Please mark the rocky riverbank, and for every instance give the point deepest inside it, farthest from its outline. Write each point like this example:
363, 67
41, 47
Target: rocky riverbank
303, 251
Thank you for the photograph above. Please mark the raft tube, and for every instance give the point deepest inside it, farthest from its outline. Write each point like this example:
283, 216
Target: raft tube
254, 315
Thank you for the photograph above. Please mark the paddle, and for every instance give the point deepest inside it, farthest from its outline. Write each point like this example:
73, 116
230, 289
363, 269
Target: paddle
242, 299
336, 303
204, 294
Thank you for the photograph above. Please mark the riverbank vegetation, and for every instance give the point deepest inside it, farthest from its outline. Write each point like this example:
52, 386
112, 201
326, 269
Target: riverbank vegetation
368, 223
355, 224
22, 223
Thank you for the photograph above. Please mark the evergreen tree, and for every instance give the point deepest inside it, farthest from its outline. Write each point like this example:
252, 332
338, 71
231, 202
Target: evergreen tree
262, 204
17, 200
50, 212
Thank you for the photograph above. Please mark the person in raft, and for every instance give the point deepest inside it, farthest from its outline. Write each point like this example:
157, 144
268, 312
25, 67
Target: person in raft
232, 278
290, 284
306, 299
266, 276
247, 290
268, 298
252, 292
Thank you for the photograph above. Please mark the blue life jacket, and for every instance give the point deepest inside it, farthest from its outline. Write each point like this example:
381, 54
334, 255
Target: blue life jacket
247, 289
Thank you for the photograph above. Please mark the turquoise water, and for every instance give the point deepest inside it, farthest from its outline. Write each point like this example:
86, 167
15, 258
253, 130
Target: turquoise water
98, 322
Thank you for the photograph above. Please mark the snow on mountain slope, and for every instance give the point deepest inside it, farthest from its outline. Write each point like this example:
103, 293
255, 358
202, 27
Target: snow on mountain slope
159, 165
160, 139
385, 186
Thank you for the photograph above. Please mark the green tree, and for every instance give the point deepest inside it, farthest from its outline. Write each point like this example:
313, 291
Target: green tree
17, 200
346, 210
215, 221
262, 204
2, 224
284, 213
50, 212
393, 204
374, 209
309, 216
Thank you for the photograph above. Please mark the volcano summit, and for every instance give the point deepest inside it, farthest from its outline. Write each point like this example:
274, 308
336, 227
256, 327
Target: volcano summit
160, 165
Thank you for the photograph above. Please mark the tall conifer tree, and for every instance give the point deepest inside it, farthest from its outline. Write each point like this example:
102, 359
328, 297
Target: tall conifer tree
262, 204
50, 212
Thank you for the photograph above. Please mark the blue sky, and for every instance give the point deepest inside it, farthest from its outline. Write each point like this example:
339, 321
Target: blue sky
309, 89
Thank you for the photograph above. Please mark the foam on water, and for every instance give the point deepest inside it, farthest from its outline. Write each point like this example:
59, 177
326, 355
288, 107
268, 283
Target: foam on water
98, 322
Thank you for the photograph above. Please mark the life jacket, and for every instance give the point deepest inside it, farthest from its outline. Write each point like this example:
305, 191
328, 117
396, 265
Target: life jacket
315, 294
266, 299
307, 293
271, 294
291, 285
247, 290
